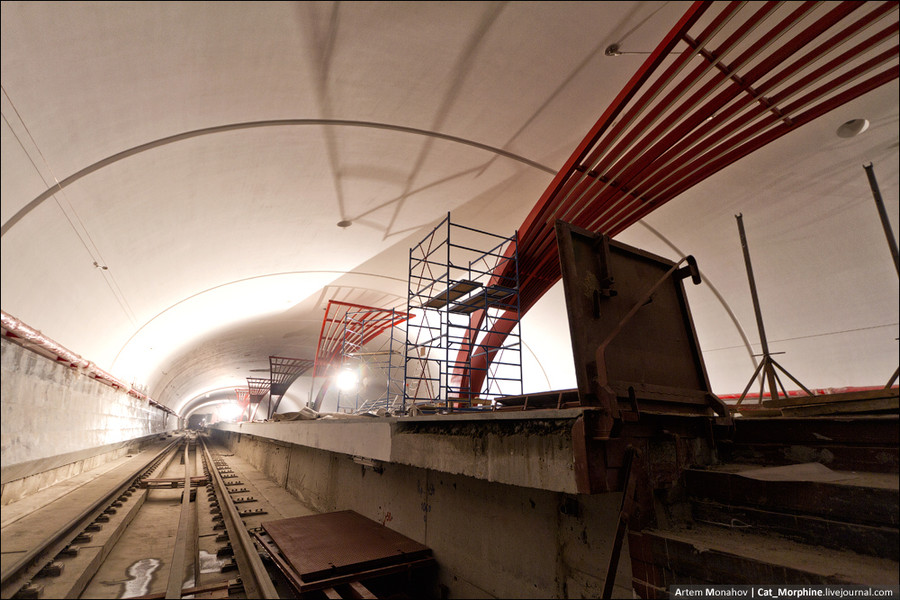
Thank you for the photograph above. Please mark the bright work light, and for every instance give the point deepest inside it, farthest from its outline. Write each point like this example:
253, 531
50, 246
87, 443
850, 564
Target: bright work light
347, 380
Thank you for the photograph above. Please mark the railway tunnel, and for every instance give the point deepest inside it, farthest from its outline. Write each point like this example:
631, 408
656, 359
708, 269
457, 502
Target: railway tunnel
451, 300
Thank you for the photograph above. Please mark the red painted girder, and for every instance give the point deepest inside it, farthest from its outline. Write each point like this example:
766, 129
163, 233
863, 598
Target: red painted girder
662, 167
870, 84
329, 345
569, 197
758, 134
620, 205
612, 155
540, 214
539, 222
665, 184
258, 388
654, 145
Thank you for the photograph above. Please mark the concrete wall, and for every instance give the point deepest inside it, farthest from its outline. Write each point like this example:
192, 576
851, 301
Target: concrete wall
525, 448
52, 416
490, 539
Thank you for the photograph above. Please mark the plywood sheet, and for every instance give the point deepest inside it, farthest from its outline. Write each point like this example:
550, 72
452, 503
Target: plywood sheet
337, 543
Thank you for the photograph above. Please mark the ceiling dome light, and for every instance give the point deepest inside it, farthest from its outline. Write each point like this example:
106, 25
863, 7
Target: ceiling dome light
852, 128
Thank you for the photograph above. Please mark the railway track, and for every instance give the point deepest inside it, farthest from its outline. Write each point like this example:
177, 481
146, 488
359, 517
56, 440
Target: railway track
167, 522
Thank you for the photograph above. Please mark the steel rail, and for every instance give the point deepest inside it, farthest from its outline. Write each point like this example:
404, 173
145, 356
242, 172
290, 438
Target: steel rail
15, 575
181, 554
255, 578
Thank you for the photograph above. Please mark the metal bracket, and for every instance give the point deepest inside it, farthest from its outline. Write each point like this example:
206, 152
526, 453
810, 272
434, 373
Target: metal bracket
691, 270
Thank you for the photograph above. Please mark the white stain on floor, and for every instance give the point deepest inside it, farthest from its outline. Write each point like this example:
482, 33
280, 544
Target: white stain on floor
141, 574
210, 563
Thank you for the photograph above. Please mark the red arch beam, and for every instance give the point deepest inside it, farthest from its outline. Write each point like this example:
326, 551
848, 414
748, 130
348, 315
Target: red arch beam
746, 74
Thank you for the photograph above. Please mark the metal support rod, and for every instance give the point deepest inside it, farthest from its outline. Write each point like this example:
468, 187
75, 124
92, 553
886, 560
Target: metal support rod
768, 372
792, 378
274, 408
183, 554
445, 318
882, 212
889, 234
626, 511
893, 379
767, 365
753, 293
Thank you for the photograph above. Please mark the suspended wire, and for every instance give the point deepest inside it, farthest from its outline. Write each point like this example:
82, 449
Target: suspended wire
95, 254
812, 335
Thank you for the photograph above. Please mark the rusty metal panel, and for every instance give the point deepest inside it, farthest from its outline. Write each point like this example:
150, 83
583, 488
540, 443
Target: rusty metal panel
631, 327
337, 543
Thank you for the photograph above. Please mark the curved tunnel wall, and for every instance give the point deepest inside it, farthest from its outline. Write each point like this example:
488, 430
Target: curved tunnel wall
54, 417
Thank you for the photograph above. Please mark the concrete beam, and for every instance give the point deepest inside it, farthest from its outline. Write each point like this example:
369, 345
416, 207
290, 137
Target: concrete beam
528, 449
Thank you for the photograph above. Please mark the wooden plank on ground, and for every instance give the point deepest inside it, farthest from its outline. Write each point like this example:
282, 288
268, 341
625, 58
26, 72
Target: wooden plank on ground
856, 406
829, 398
360, 591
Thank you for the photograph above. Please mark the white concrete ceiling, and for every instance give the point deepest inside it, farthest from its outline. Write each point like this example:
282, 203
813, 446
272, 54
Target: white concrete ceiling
173, 173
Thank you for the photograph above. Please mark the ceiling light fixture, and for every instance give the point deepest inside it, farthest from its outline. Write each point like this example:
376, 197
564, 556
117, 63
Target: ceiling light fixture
853, 128
345, 223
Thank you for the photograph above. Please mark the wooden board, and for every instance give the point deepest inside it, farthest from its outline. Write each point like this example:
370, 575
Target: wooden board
337, 543
455, 291
847, 407
829, 398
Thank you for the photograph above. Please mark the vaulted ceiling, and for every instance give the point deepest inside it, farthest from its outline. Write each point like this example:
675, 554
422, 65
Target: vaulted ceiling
174, 175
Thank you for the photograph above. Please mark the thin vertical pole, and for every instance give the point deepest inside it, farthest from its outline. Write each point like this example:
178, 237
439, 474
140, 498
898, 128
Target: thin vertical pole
518, 309
390, 363
362, 336
341, 367
769, 373
882, 212
409, 290
445, 326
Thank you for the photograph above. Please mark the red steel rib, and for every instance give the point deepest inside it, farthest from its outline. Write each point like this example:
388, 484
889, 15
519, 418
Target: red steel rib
737, 84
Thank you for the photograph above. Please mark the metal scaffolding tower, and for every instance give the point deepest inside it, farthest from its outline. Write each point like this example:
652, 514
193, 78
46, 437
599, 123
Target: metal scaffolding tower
463, 283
